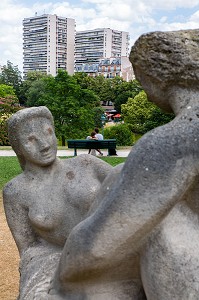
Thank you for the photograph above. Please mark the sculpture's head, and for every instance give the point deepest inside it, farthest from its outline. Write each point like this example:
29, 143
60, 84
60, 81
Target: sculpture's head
166, 60
32, 137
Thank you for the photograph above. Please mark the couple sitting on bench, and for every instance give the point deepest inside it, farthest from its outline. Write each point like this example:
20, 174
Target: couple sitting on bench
95, 135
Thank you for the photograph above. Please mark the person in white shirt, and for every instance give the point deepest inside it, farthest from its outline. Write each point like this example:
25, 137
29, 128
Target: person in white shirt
100, 137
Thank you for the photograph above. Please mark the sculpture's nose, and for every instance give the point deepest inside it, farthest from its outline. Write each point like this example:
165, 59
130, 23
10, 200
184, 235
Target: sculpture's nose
43, 144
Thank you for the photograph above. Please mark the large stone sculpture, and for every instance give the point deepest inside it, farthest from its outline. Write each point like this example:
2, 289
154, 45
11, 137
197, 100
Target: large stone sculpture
48, 199
146, 227
140, 237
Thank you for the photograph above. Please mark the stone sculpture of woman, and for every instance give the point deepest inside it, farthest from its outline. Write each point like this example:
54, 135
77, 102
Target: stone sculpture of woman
152, 208
48, 199
140, 237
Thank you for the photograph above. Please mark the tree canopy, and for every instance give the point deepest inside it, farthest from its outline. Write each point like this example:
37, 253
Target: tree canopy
72, 106
143, 115
11, 76
74, 100
9, 104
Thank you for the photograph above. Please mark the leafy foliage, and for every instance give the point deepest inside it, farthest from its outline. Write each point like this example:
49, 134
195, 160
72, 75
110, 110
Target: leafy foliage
114, 90
124, 91
32, 88
98, 112
73, 107
143, 115
120, 132
11, 76
9, 104
75, 101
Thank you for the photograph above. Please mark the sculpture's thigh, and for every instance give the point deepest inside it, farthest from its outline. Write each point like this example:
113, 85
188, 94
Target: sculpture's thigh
170, 258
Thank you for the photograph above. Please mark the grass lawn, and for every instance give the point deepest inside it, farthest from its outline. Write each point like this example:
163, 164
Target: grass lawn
9, 167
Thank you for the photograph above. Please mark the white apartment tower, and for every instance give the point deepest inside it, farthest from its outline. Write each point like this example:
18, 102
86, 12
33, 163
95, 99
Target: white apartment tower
93, 45
48, 44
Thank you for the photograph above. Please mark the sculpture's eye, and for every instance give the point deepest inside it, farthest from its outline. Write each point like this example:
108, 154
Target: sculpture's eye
50, 131
31, 138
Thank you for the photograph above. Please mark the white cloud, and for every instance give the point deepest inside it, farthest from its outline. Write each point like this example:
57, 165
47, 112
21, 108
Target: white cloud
79, 14
170, 4
195, 17
11, 32
134, 16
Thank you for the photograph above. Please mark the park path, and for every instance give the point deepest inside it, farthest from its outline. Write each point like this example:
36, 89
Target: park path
70, 152
9, 260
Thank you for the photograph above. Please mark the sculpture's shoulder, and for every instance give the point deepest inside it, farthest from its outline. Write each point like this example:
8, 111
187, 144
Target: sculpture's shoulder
88, 166
85, 161
13, 188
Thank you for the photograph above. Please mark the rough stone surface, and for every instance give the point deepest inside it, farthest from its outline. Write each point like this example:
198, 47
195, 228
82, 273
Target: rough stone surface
164, 59
137, 234
144, 232
48, 199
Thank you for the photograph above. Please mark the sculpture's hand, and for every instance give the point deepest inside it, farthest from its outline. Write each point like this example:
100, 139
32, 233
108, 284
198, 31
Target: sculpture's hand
77, 261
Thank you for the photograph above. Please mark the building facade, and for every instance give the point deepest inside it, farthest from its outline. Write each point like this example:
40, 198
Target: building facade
48, 44
101, 49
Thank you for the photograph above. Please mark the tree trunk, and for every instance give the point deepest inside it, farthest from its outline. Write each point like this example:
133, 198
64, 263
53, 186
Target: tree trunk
63, 141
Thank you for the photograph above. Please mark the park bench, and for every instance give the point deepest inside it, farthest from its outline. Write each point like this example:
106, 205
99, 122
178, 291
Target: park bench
93, 144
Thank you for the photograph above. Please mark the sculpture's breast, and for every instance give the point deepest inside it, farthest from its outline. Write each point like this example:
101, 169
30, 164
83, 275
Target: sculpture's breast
49, 222
59, 204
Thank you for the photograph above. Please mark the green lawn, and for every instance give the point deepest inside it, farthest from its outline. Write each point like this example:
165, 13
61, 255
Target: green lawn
9, 167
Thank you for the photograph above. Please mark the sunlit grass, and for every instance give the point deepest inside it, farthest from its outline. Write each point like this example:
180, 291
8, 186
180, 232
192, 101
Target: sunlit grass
9, 168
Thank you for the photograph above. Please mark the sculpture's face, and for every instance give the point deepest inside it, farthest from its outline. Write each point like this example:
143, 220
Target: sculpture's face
156, 92
38, 141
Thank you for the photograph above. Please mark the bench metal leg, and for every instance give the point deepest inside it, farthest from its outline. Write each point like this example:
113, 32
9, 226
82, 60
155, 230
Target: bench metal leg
75, 152
112, 151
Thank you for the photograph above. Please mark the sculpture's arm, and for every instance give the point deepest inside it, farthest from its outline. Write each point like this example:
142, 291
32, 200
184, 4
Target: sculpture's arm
18, 222
155, 177
97, 166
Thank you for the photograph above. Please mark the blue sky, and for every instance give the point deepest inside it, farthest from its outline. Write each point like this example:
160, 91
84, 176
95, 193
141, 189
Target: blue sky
135, 16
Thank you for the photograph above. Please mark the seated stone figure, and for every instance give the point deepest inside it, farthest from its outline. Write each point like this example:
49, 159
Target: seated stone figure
87, 231
149, 214
48, 199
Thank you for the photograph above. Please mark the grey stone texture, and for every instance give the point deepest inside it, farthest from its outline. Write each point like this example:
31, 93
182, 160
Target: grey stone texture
144, 232
87, 231
48, 199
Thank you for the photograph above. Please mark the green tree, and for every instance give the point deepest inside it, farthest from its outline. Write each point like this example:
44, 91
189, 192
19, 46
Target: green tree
142, 114
6, 90
31, 88
121, 132
9, 104
102, 87
11, 76
109, 90
125, 90
85, 81
98, 112
73, 107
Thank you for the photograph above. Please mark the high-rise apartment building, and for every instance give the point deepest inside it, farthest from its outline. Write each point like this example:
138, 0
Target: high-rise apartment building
48, 44
93, 46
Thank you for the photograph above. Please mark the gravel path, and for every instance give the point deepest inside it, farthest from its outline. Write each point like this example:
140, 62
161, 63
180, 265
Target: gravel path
9, 260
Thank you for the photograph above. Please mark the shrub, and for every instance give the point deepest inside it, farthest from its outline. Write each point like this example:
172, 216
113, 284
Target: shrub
8, 106
3, 130
120, 132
